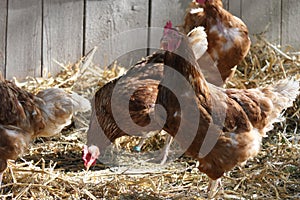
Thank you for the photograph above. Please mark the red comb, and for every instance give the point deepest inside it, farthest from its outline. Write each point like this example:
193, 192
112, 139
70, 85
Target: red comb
200, 1
168, 25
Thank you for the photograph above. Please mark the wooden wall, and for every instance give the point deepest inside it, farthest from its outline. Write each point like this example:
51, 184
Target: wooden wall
34, 33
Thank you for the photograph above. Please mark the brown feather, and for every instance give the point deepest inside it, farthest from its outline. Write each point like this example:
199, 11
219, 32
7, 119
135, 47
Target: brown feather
140, 83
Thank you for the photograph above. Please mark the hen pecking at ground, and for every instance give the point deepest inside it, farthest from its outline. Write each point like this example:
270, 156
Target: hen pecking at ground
137, 90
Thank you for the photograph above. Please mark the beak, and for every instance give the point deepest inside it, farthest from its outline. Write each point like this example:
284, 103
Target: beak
91, 162
164, 45
87, 167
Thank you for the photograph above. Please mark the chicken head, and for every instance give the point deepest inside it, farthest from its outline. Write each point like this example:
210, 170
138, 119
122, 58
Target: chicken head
173, 41
90, 155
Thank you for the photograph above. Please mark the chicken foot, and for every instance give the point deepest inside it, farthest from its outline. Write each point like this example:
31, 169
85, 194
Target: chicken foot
214, 187
165, 151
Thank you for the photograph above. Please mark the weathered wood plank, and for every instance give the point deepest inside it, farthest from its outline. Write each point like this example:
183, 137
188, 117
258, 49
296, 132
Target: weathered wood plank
62, 33
226, 4
234, 7
263, 17
291, 23
117, 27
174, 10
164, 10
24, 38
22, 47
161, 12
3, 17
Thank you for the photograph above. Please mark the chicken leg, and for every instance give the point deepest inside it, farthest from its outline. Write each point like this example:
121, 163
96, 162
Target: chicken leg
214, 187
165, 151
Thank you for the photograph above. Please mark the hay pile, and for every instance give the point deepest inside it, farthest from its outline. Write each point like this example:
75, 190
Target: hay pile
52, 168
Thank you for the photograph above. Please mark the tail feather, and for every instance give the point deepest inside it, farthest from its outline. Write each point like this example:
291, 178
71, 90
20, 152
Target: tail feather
57, 98
80, 104
198, 40
288, 91
282, 95
265, 106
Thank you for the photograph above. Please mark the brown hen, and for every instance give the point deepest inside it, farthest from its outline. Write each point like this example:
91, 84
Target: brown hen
135, 91
141, 84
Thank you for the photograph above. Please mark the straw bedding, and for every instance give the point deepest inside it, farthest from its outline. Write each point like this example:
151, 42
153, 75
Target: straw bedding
52, 167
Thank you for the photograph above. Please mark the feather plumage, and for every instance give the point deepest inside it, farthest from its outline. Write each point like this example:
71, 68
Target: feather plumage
247, 114
24, 116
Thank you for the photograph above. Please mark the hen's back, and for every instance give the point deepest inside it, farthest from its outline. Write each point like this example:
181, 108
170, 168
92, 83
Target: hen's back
57, 108
18, 107
129, 97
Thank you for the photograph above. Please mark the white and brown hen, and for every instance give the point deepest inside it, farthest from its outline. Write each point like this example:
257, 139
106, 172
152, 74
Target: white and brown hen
227, 35
230, 122
198, 41
25, 116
